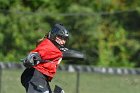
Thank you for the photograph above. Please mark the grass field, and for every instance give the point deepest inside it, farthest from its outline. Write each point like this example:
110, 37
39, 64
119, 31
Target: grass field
89, 82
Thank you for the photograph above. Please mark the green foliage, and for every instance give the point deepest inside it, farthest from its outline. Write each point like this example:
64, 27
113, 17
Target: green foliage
107, 31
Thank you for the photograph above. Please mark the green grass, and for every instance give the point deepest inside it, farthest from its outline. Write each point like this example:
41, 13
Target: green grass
11, 82
89, 82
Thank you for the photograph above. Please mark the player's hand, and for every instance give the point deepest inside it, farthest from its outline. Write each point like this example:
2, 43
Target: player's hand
31, 60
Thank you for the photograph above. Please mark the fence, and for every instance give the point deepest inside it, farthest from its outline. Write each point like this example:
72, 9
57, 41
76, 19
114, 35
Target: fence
79, 75
80, 68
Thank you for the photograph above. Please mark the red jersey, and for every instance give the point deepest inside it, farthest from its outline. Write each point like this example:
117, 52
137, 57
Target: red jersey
49, 52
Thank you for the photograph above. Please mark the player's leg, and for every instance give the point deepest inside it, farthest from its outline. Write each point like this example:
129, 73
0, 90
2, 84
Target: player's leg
35, 82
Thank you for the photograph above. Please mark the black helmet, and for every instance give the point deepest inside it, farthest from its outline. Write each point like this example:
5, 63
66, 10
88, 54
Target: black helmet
58, 30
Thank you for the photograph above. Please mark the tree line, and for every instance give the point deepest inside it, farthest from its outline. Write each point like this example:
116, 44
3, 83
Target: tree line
107, 31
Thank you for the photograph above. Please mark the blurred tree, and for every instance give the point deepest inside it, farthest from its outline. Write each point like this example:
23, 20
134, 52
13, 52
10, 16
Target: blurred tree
107, 31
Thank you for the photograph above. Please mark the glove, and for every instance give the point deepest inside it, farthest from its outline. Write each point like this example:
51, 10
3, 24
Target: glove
31, 60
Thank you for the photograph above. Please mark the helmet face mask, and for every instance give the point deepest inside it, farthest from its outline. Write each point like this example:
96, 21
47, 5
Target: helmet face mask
63, 37
58, 31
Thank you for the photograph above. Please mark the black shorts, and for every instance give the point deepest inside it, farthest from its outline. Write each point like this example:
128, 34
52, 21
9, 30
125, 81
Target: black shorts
34, 81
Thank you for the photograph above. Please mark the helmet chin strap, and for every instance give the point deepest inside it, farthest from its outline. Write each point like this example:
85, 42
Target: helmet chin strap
57, 41
57, 44
60, 47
